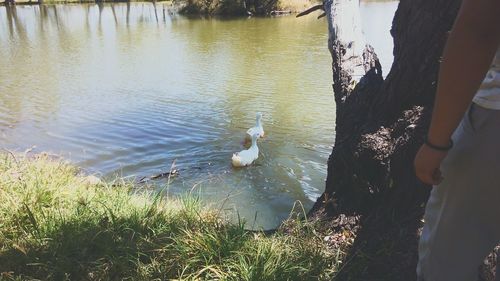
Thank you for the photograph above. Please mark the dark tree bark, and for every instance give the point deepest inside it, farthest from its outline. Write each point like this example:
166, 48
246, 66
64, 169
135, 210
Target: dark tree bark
381, 123
371, 189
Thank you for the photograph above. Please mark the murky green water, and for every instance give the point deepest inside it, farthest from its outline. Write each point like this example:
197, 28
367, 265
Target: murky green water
122, 90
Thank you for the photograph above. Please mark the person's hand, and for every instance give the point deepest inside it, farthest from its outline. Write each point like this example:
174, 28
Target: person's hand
427, 163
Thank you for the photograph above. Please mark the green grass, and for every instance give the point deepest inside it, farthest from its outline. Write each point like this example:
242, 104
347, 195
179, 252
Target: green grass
57, 225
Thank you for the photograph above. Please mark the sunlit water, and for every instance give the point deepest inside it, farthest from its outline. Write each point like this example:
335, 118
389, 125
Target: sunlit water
124, 91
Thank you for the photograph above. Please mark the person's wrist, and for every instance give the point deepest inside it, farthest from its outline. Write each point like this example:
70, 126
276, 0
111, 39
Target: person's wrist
442, 146
438, 138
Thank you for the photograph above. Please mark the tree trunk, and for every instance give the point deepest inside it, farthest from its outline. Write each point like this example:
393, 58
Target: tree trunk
380, 124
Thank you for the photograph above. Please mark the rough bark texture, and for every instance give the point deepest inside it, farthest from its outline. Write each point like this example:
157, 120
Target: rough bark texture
380, 125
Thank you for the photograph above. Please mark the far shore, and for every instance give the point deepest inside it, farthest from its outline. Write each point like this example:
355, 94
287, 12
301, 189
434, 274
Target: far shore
58, 2
284, 7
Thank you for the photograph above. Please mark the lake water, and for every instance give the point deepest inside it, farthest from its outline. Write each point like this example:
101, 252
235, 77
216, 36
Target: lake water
123, 91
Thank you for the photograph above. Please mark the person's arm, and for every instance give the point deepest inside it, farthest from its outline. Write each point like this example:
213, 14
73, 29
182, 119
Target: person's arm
467, 56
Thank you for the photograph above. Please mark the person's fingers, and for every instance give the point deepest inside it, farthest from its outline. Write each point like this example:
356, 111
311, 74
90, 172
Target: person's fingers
429, 175
430, 180
437, 177
427, 163
425, 176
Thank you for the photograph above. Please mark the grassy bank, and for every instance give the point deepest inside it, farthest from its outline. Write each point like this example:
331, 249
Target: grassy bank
56, 224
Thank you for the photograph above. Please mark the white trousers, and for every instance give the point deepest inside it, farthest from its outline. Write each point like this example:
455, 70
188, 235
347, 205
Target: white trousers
462, 216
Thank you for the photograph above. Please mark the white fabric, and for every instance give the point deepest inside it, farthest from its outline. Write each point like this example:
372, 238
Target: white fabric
488, 95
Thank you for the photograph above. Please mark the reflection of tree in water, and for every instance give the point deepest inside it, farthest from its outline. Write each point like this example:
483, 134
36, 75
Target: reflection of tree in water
56, 16
114, 13
128, 13
100, 6
16, 27
39, 34
10, 23
17, 96
43, 17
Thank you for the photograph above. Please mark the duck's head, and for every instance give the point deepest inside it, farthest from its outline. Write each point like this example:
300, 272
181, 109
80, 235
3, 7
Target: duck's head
255, 136
259, 116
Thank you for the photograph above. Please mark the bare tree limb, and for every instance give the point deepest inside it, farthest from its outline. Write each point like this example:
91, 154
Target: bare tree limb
310, 10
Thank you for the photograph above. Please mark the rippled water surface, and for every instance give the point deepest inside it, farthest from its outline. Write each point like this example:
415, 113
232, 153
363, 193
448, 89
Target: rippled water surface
123, 91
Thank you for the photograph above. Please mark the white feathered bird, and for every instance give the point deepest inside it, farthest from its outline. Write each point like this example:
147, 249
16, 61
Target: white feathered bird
258, 127
246, 157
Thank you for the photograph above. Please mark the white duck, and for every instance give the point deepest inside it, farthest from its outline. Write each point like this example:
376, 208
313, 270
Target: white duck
258, 127
246, 157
